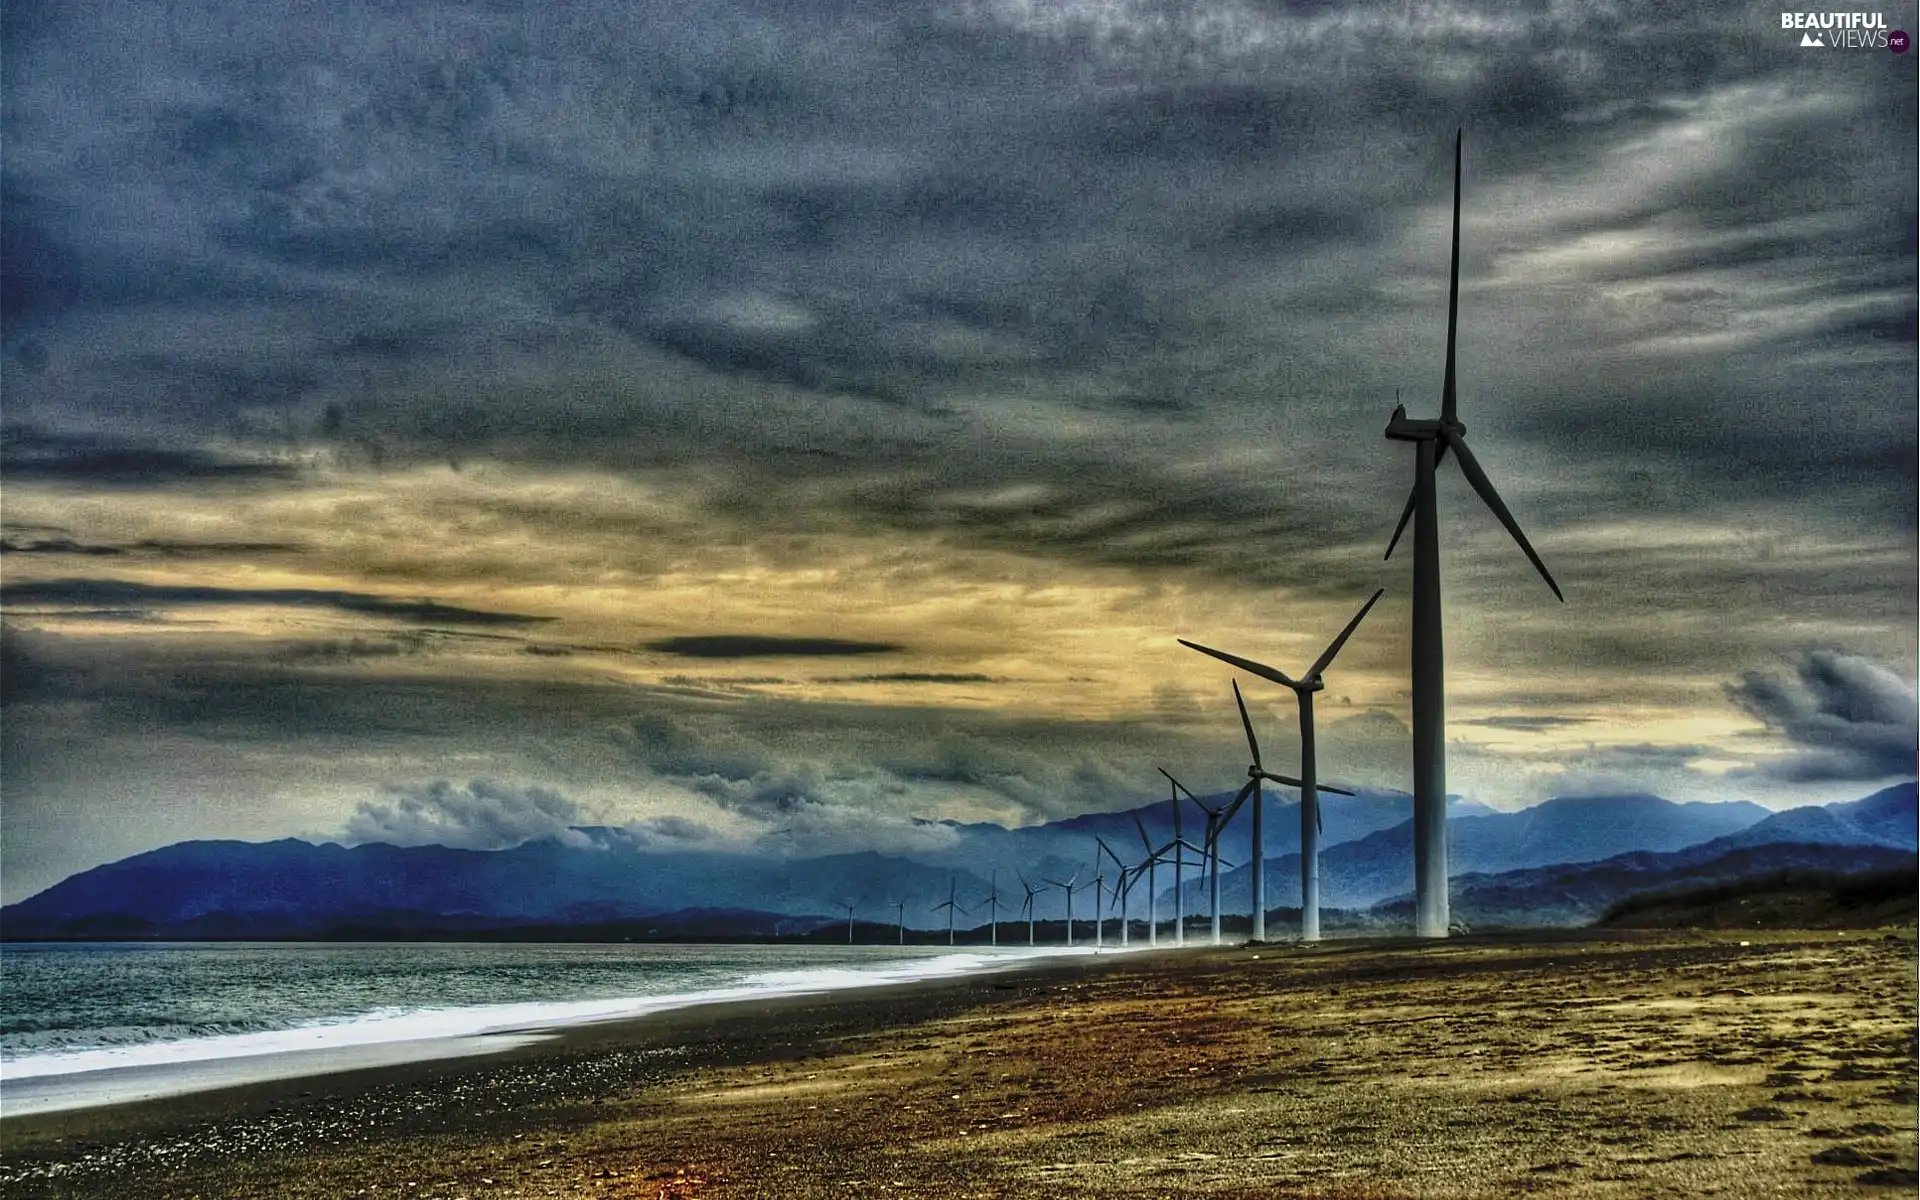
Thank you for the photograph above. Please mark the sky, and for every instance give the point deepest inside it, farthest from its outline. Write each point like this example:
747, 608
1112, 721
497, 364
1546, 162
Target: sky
793, 424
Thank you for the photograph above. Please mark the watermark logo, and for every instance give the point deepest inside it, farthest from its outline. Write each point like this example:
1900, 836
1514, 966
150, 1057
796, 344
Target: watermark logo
1844, 31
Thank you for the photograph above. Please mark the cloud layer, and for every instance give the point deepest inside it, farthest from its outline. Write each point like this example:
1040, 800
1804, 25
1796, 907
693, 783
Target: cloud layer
715, 411
483, 815
1846, 717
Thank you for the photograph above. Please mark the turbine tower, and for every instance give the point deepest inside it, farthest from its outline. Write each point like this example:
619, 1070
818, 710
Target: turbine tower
901, 905
951, 906
1432, 440
1121, 887
848, 905
1255, 773
1216, 825
1069, 888
1179, 845
1026, 906
1153, 861
993, 905
1311, 824
1099, 902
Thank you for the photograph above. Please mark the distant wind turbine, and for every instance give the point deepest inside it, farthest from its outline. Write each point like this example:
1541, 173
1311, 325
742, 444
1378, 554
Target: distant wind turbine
1121, 888
1432, 440
993, 906
1026, 906
951, 906
1069, 888
848, 905
1311, 825
1099, 903
1255, 774
1210, 851
1216, 825
1179, 865
901, 905
1152, 861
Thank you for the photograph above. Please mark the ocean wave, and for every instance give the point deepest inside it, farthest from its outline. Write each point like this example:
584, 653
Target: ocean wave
58, 1052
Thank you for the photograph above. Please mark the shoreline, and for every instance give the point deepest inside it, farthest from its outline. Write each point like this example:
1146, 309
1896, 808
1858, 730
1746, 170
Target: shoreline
337, 1047
1605, 1064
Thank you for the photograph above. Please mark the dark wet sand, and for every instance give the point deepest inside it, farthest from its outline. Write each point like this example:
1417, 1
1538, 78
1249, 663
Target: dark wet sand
1620, 1064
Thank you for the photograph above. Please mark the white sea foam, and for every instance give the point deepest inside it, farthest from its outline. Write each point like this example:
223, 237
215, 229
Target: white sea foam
103, 1075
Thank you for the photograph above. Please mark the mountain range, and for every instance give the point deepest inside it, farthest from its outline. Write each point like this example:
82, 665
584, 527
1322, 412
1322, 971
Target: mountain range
600, 875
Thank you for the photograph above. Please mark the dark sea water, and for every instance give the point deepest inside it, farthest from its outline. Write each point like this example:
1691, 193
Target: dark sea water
72, 1008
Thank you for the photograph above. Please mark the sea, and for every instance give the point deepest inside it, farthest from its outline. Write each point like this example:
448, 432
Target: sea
94, 1023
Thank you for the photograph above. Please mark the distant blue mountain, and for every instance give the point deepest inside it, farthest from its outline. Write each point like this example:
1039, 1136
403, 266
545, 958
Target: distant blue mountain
1366, 870
1578, 893
289, 885
1886, 818
602, 877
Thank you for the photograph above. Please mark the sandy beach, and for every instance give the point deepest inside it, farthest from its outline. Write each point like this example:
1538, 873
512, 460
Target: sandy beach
1584, 1064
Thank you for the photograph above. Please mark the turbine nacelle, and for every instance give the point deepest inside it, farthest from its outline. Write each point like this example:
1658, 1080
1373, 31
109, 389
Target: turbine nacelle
1402, 428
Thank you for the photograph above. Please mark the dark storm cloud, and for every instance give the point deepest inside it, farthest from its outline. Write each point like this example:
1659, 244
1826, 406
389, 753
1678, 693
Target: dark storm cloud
146, 547
28, 674
112, 593
1123, 285
832, 217
1848, 717
1524, 724
758, 646
28, 454
914, 677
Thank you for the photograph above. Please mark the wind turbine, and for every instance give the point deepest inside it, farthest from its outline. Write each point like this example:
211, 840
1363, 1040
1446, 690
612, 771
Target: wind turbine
901, 905
1153, 861
993, 905
951, 906
848, 905
1216, 825
1069, 888
1255, 773
1178, 845
1120, 889
1432, 440
1027, 905
1311, 824
1099, 902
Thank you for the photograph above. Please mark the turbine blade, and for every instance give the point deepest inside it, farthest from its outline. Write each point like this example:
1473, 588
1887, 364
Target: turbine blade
1289, 780
1245, 664
1447, 397
1406, 515
1183, 787
1141, 826
1319, 818
1246, 790
1470, 467
1327, 787
1253, 743
1326, 660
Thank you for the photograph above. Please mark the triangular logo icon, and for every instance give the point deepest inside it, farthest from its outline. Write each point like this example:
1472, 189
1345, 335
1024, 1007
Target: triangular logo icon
1808, 39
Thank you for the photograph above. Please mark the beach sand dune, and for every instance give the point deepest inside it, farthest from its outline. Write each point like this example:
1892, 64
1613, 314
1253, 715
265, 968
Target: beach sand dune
1586, 1064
